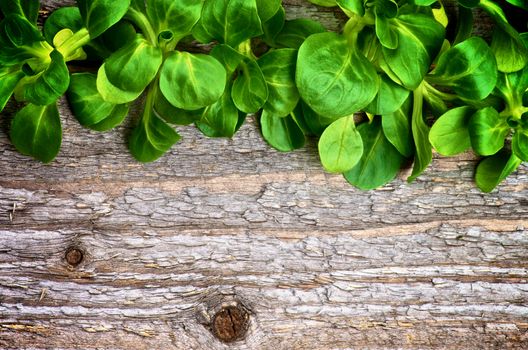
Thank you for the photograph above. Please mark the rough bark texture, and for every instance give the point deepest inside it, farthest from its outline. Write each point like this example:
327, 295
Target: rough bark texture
314, 263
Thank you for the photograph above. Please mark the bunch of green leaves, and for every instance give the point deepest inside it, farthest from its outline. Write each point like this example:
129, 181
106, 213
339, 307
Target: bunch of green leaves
253, 84
485, 127
376, 63
33, 68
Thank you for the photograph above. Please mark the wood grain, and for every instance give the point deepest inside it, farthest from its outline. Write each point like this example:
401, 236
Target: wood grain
319, 265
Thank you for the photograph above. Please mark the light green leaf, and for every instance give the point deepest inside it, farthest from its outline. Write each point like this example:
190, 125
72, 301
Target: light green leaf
192, 81
178, 17
36, 131
488, 131
380, 162
133, 67
333, 79
449, 134
231, 21
340, 146
50, 84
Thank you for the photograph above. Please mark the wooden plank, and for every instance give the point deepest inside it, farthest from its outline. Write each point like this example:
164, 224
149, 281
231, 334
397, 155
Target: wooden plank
317, 264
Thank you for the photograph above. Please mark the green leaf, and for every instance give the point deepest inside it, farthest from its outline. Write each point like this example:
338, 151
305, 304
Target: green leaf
380, 162
250, 90
352, 6
449, 134
506, 44
8, 81
16, 32
282, 133
296, 31
231, 21
112, 93
221, 119
228, 57
192, 81
420, 131
519, 3
268, 8
26, 8
62, 18
316, 123
134, 66
179, 17
420, 38
50, 84
491, 171
36, 131
334, 79
520, 145
174, 115
397, 128
325, 3
272, 27
488, 131
389, 99
512, 86
278, 67
340, 146
469, 68
89, 107
152, 138
99, 15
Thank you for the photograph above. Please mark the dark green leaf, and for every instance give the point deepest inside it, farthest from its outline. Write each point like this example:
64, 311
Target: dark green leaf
380, 162
62, 18
420, 131
397, 128
469, 68
26, 8
389, 99
221, 119
493, 170
228, 57
282, 133
420, 38
520, 145
99, 15
8, 81
36, 131
295, 32
174, 115
152, 138
250, 90
278, 67
89, 107
268, 8
50, 84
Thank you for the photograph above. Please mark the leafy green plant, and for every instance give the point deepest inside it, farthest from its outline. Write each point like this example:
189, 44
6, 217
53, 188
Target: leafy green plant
33, 67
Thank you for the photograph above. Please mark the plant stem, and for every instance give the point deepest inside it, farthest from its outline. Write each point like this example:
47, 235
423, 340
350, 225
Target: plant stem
142, 22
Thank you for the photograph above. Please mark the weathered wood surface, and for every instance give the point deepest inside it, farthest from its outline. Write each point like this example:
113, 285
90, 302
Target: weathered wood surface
318, 264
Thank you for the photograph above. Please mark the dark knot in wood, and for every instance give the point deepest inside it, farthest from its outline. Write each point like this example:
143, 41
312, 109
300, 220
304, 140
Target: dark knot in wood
230, 324
74, 256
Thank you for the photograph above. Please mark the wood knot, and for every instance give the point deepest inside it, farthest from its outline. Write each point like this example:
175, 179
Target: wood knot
230, 324
74, 256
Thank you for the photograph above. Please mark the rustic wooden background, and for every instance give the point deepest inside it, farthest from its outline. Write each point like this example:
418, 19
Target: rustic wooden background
308, 261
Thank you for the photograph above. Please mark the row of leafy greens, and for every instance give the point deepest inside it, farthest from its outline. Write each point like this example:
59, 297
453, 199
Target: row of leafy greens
392, 61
